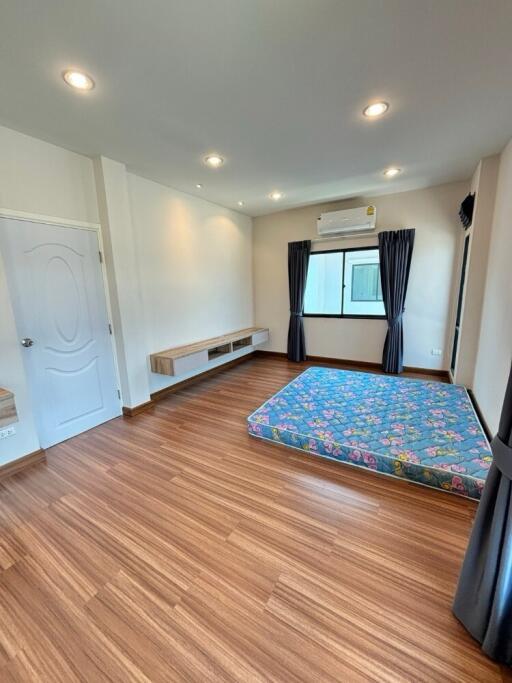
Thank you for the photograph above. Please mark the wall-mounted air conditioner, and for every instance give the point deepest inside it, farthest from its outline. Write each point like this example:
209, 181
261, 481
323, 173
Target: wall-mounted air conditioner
357, 220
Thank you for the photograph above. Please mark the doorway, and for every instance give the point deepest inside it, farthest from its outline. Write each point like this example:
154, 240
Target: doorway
57, 292
460, 299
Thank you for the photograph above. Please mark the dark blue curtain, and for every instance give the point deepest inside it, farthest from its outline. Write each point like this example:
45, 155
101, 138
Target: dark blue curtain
395, 253
298, 262
483, 601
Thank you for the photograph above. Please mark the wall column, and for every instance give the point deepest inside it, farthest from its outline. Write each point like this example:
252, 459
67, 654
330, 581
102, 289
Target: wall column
123, 279
484, 185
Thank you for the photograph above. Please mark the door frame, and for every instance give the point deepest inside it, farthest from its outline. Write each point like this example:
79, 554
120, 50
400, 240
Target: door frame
76, 225
467, 235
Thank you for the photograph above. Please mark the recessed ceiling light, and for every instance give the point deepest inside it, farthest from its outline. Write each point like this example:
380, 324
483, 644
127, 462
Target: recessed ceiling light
392, 171
214, 160
78, 80
276, 195
199, 186
240, 203
375, 109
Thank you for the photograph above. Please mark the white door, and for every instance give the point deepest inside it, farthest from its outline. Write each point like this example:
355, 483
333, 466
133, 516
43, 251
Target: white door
56, 284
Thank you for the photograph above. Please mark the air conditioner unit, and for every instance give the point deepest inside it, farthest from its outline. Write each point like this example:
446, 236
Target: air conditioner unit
357, 220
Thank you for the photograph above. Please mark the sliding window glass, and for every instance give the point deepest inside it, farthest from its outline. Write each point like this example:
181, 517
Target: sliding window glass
344, 283
324, 284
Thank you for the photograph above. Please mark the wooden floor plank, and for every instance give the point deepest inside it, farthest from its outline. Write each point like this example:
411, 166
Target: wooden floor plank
171, 546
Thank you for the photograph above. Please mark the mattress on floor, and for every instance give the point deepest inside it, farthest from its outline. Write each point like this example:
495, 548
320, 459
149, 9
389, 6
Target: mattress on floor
423, 431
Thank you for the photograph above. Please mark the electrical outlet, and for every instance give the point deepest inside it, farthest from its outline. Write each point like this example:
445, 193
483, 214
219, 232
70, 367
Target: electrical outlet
8, 431
436, 352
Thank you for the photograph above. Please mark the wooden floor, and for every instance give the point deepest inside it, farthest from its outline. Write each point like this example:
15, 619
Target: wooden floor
173, 547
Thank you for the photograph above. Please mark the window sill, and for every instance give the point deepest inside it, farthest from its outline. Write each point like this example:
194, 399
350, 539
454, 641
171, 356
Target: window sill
345, 315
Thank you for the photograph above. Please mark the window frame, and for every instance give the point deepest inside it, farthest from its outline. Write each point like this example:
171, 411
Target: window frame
349, 316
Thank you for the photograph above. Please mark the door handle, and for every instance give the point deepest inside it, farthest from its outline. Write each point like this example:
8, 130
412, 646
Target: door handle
26, 342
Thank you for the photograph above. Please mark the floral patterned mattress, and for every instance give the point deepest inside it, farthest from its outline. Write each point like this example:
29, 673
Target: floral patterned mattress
423, 431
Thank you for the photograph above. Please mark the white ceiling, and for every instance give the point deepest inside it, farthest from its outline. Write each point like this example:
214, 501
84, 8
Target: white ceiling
274, 86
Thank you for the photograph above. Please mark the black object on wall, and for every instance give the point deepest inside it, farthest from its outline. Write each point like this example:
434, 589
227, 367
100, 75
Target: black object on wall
483, 601
298, 262
395, 253
460, 299
466, 210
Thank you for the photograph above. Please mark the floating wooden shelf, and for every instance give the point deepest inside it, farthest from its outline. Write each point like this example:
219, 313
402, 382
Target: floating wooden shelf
182, 359
8, 413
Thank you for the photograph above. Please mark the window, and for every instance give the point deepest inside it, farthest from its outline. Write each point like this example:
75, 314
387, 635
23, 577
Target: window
344, 283
324, 283
366, 282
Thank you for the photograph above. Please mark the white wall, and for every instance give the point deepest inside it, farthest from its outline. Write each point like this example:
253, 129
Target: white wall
430, 300
35, 177
495, 343
194, 266
483, 184
38, 177
124, 283
179, 267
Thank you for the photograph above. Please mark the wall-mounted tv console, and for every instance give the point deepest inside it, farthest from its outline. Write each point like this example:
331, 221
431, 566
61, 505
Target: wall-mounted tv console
8, 413
182, 359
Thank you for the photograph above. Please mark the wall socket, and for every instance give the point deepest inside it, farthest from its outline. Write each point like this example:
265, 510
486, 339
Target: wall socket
8, 431
436, 352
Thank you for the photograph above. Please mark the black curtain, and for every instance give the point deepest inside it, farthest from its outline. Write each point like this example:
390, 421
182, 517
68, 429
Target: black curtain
483, 601
298, 262
395, 253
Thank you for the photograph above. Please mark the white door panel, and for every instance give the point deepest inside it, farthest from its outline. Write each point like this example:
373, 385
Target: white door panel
58, 296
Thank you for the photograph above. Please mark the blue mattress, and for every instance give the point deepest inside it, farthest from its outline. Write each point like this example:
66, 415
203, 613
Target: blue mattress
423, 431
